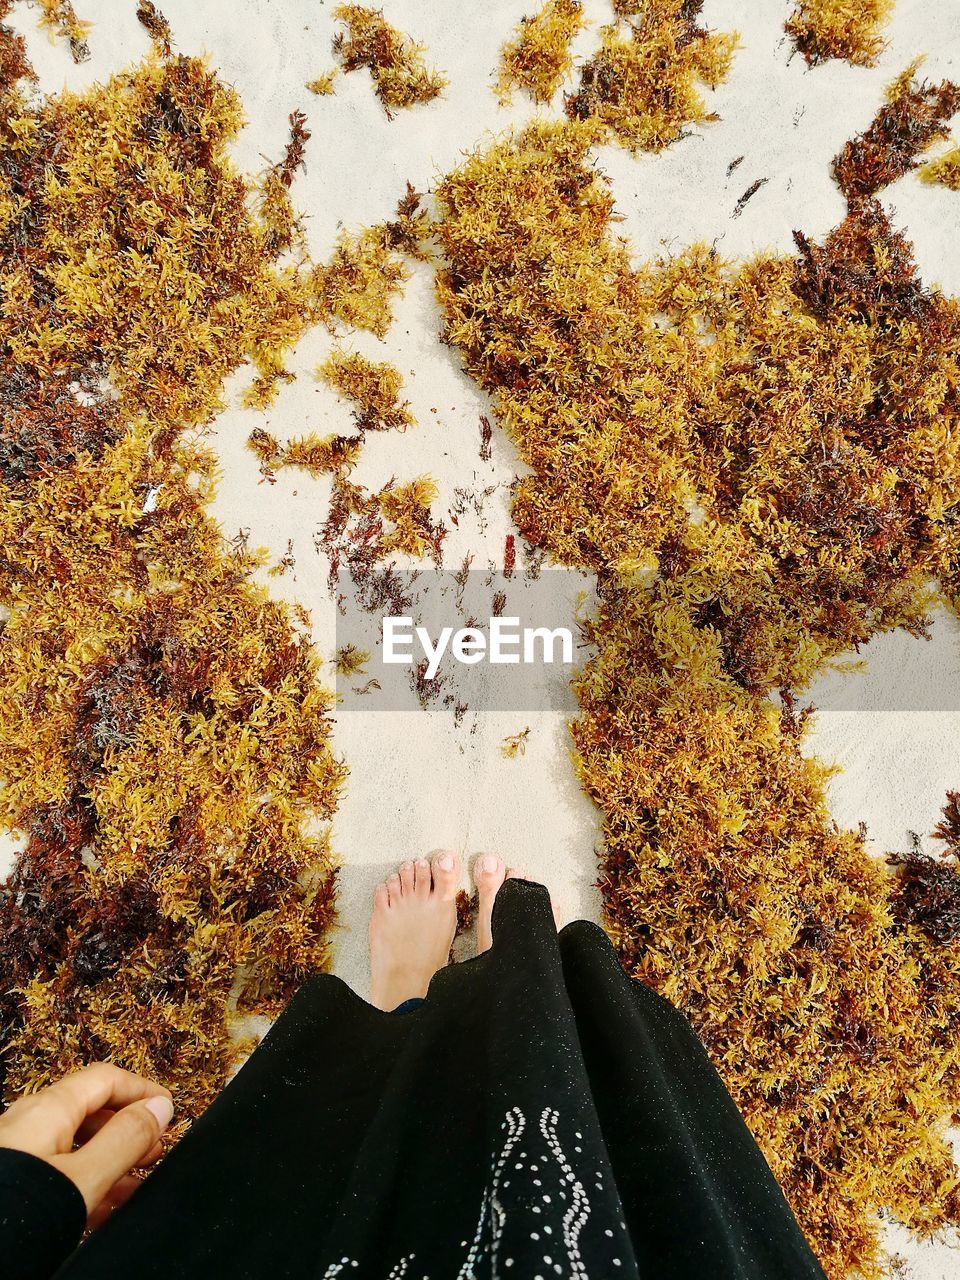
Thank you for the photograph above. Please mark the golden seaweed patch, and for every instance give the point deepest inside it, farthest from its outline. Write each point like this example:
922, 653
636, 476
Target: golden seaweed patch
60, 18
757, 459
181, 311
944, 169
400, 75
374, 388
323, 86
848, 29
367, 271
165, 743
641, 85
538, 57
318, 455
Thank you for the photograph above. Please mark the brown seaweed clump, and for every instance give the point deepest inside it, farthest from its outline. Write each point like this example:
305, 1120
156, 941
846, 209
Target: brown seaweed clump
641, 85
757, 460
848, 29
374, 388
156, 26
165, 749
538, 57
912, 119
400, 75
14, 63
364, 531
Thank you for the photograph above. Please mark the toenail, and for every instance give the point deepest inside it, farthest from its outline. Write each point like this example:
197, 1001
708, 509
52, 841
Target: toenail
445, 862
489, 862
423, 864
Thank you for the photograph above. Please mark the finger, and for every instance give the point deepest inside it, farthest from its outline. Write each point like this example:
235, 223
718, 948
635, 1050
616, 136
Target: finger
119, 1194
101, 1085
93, 1124
152, 1156
124, 1142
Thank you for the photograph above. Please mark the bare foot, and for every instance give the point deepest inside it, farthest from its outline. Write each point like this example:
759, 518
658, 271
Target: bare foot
412, 927
489, 872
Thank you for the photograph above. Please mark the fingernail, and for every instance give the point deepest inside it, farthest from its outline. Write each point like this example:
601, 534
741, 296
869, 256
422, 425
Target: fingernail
489, 862
161, 1108
445, 862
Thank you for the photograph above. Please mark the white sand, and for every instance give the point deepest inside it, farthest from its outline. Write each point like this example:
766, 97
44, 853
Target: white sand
416, 782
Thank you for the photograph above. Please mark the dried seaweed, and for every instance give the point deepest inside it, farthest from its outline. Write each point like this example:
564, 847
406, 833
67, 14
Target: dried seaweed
318, 455
60, 18
373, 387
323, 86
928, 896
944, 169
407, 508
281, 231
359, 542
538, 57
156, 26
911, 120
400, 76
367, 270
516, 744
848, 29
165, 746
486, 438
350, 660
641, 85
747, 196
756, 458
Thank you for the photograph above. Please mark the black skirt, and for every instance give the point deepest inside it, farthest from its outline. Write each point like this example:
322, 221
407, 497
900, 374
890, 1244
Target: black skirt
538, 1115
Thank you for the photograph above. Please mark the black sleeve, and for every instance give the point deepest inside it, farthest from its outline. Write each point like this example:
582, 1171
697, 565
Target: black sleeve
42, 1216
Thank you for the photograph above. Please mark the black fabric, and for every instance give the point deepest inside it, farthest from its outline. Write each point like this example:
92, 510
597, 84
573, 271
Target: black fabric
42, 1216
538, 1115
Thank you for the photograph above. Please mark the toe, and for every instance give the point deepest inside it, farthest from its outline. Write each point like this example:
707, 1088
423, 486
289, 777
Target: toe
446, 874
406, 877
489, 872
422, 880
394, 889
517, 873
381, 899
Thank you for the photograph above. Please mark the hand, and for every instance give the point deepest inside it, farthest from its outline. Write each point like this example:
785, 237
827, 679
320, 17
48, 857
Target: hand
95, 1126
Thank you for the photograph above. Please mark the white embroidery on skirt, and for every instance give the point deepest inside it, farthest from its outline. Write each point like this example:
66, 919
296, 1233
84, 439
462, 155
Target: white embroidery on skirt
562, 1203
397, 1272
515, 1124
578, 1212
